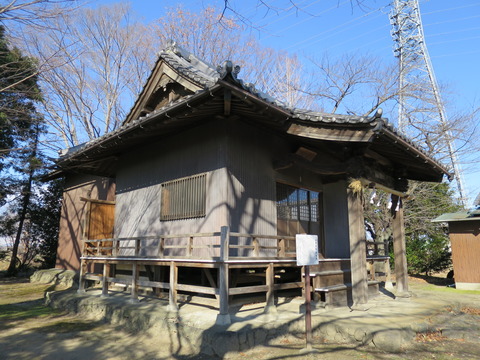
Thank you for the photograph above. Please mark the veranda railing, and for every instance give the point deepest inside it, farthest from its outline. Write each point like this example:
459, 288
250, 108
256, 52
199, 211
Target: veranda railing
212, 246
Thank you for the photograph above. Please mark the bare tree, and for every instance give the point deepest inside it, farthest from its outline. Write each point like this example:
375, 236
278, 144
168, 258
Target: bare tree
203, 35
98, 60
281, 75
29, 12
360, 84
214, 37
15, 15
354, 84
275, 7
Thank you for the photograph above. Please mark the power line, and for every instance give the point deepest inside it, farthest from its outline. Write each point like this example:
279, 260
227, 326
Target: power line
457, 54
290, 14
384, 38
450, 9
455, 40
454, 20
287, 11
310, 18
342, 26
453, 32
357, 37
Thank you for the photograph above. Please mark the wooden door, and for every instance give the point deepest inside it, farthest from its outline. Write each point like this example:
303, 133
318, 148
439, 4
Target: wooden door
100, 225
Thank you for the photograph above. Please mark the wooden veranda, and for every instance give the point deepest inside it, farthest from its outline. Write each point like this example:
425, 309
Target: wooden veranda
165, 254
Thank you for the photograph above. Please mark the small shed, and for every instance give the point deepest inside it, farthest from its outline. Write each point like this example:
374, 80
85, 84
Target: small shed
464, 230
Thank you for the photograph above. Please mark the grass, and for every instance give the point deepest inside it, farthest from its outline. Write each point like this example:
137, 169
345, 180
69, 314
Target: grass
432, 287
22, 312
22, 304
13, 289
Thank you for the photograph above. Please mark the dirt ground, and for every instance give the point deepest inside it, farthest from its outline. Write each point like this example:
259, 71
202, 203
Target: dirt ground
30, 330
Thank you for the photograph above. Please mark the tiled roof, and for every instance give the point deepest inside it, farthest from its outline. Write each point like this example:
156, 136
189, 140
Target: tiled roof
209, 78
197, 70
189, 65
204, 74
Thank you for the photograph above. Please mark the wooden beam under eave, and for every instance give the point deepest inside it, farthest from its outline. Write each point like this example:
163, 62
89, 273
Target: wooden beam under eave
376, 156
321, 167
227, 102
97, 201
390, 190
331, 134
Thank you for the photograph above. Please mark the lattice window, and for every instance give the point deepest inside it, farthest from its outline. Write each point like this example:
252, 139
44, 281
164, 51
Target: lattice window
296, 204
184, 198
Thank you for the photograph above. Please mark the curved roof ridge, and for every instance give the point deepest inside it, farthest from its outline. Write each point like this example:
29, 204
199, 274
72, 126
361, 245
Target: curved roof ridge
189, 65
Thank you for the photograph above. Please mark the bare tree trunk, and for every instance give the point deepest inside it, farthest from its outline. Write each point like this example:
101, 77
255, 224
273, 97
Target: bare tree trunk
27, 191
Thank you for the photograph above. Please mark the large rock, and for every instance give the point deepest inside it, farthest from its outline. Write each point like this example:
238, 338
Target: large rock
66, 278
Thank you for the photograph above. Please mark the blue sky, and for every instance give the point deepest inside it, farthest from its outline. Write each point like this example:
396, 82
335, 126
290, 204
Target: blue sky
452, 34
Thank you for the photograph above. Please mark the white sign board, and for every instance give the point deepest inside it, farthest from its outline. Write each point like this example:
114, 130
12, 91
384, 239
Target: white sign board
307, 249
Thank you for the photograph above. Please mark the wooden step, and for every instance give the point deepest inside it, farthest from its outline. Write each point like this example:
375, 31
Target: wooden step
329, 272
332, 277
333, 288
331, 264
341, 294
342, 286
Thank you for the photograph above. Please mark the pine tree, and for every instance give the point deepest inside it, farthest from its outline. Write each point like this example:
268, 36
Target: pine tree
17, 107
20, 129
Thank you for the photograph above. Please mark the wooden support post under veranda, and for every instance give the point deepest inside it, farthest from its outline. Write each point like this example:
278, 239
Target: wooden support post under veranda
399, 246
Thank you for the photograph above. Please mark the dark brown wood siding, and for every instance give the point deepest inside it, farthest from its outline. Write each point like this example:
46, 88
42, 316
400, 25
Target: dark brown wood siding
465, 239
73, 215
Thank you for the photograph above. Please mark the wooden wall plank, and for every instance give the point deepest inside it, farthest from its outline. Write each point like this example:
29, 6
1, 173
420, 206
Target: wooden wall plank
465, 239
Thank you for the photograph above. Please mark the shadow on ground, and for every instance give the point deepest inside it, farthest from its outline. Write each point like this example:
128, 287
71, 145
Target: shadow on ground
29, 330
434, 280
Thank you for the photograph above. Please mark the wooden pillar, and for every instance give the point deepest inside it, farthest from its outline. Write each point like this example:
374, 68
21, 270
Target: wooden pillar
281, 248
172, 291
81, 280
223, 318
106, 274
336, 220
399, 246
190, 247
308, 309
270, 297
83, 262
161, 248
256, 247
135, 274
371, 269
157, 276
388, 275
358, 248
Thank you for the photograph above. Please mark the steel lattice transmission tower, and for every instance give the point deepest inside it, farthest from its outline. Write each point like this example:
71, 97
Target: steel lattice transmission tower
421, 112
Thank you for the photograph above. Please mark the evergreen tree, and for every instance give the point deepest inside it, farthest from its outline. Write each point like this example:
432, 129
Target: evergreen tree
428, 244
20, 129
17, 108
45, 219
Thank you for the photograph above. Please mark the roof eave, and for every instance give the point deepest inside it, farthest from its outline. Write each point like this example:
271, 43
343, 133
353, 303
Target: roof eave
400, 142
103, 141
